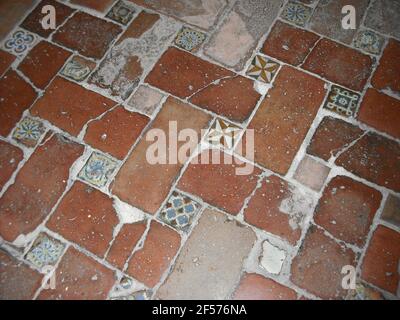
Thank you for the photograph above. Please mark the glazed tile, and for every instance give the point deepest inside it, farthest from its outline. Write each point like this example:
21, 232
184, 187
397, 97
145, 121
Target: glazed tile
121, 12
98, 169
296, 13
45, 251
28, 131
223, 133
369, 41
179, 211
20, 42
342, 101
78, 68
262, 69
189, 39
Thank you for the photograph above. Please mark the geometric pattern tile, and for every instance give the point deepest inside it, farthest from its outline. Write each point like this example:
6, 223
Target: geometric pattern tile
262, 69
45, 251
122, 12
98, 169
368, 41
189, 39
28, 131
19, 42
296, 13
342, 101
179, 211
223, 134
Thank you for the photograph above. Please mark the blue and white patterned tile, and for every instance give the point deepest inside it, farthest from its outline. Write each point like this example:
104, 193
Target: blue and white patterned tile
121, 12
342, 101
20, 42
28, 132
369, 41
45, 251
223, 133
98, 169
189, 39
296, 13
179, 211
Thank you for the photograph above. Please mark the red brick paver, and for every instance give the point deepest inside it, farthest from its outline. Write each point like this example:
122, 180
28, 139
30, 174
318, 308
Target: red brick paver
10, 157
6, 59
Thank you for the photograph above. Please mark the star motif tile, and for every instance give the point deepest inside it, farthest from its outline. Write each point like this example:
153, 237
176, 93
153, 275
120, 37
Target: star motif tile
77, 68
98, 169
179, 211
223, 134
189, 39
121, 12
28, 132
45, 251
368, 41
342, 101
20, 42
297, 13
263, 69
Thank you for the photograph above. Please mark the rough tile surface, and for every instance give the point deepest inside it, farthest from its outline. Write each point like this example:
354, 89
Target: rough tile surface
10, 156
311, 173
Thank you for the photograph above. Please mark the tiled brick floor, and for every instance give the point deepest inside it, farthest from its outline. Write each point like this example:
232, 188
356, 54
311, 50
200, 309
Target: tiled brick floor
83, 105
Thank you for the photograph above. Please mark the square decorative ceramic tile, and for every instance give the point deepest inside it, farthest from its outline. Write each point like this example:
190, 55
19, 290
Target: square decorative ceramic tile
189, 39
78, 68
121, 12
297, 13
28, 131
19, 42
262, 69
223, 133
368, 41
342, 101
98, 169
45, 251
179, 211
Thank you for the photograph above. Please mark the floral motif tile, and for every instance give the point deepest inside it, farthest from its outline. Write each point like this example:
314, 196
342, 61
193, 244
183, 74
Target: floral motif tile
368, 41
263, 69
296, 13
342, 101
78, 68
223, 133
121, 12
98, 169
28, 132
189, 39
45, 251
179, 211
19, 42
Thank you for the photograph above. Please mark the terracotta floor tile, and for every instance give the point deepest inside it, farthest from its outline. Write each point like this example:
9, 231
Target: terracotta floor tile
102, 133
289, 44
43, 62
386, 75
220, 184
284, 118
391, 211
146, 185
38, 186
210, 262
6, 59
16, 96
149, 263
10, 157
311, 173
89, 35
380, 265
98, 5
339, 64
79, 277
346, 210
279, 208
17, 281
33, 20
381, 112
87, 217
146, 100
11, 13
318, 265
374, 158
124, 243
253, 286
70, 106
